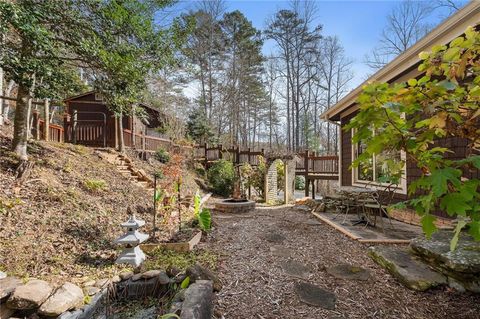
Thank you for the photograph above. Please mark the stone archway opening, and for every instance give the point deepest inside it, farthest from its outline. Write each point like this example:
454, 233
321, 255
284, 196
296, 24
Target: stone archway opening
280, 180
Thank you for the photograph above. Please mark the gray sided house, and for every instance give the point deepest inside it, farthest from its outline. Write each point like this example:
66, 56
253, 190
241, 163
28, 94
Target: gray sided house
402, 68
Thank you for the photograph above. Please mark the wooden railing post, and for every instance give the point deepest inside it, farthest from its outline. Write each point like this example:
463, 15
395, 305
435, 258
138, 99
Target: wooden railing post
307, 181
248, 155
46, 126
206, 155
220, 148
66, 127
36, 125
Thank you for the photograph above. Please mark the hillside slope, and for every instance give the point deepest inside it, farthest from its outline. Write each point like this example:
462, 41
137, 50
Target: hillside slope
60, 223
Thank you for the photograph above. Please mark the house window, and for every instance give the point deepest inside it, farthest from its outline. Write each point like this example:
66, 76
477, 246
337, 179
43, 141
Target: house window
375, 171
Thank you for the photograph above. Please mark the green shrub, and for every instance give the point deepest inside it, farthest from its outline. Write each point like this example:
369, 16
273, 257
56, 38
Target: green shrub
221, 176
162, 156
299, 182
95, 185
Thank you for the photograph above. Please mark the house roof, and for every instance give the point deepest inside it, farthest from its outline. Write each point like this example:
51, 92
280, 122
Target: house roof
448, 30
78, 96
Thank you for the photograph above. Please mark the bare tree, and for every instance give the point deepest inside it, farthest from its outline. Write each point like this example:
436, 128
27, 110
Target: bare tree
406, 24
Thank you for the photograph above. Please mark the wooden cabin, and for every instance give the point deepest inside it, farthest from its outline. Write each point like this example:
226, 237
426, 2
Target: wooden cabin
402, 68
89, 122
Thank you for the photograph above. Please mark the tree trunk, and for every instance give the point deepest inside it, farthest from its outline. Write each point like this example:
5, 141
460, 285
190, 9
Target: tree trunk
121, 145
20, 128
1, 100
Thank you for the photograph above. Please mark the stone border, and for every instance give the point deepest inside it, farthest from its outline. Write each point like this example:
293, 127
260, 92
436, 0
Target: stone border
194, 302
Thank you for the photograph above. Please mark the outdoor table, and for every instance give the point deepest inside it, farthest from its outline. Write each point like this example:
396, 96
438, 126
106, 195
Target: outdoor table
357, 192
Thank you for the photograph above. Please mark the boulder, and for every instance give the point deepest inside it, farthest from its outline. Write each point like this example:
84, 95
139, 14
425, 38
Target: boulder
30, 296
461, 266
199, 272
198, 301
8, 285
3, 275
409, 271
102, 283
67, 297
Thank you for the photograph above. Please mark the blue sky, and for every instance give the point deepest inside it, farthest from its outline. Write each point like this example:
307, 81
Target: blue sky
357, 23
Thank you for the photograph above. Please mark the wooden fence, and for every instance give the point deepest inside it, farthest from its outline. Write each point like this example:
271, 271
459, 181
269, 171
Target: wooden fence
55, 132
309, 164
147, 143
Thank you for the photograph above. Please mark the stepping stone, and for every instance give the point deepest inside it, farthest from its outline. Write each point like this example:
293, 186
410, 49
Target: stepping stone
281, 251
349, 272
315, 296
461, 266
295, 269
274, 237
409, 271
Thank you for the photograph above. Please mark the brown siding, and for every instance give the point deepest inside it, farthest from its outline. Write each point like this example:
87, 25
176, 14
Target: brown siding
346, 152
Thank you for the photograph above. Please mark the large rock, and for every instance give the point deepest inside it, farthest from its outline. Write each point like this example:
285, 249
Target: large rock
67, 297
402, 265
199, 272
462, 265
30, 295
315, 296
8, 285
198, 301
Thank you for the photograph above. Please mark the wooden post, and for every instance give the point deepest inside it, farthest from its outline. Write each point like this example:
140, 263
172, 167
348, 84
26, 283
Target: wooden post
66, 127
286, 181
248, 155
206, 158
133, 133
36, 125
46, 126
144, 142
307, 181
74, 127
237, 159
220, 148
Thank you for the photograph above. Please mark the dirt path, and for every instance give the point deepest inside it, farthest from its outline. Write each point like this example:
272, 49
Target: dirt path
255, 246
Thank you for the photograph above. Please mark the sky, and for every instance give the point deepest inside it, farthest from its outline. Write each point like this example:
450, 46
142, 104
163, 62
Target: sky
357, 23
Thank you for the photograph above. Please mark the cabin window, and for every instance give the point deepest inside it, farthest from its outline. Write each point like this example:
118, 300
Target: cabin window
375, 170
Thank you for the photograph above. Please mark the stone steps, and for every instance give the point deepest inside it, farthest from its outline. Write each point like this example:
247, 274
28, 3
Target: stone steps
410, 271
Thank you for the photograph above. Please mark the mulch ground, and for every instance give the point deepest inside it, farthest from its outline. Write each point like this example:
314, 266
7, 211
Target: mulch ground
256, 286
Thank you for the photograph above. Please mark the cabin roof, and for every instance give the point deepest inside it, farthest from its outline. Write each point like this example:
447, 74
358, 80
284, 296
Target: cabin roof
409, 60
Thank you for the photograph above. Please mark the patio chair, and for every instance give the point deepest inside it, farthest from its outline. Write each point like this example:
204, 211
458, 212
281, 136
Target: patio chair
377, 206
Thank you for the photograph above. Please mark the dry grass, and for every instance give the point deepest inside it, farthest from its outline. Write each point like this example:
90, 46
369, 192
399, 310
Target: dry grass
59, 225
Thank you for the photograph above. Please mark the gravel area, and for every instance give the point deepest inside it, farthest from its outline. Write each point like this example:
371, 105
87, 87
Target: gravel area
252, 248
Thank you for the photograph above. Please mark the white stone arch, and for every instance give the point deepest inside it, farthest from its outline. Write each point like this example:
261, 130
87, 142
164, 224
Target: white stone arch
271, 187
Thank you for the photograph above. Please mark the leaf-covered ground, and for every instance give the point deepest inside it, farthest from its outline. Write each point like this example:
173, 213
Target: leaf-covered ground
255, 286
60, 223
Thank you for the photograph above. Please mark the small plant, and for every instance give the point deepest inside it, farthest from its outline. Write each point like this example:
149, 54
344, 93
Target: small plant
299, 182
162, 155
221, 177
95, 185
203, 215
